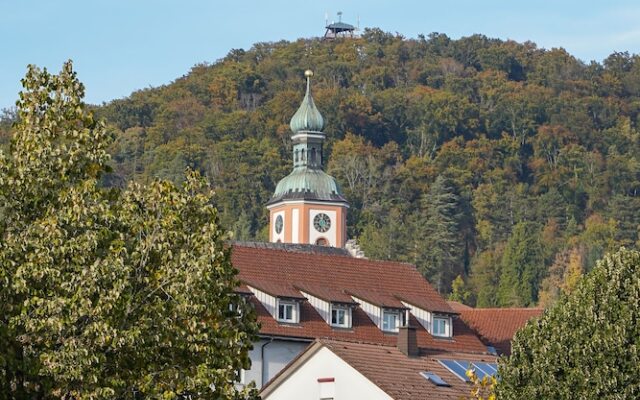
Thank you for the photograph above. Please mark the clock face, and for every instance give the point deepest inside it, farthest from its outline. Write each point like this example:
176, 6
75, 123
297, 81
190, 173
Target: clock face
322, 222
279, 224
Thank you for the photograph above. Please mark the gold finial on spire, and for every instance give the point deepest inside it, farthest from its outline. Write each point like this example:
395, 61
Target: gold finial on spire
308, 73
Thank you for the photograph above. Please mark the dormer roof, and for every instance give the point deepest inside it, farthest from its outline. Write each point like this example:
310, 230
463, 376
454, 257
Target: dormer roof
331, 277
379, 299
326, 293
275, 289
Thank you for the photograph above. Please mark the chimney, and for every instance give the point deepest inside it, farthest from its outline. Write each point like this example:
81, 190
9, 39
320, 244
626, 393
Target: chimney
408, 341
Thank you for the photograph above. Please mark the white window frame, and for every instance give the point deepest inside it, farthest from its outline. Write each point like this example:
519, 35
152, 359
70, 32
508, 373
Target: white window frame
386, 312
436, 325
294, 311
347, 316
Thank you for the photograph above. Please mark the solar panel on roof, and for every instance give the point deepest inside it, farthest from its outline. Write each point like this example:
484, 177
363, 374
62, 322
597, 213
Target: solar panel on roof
434, 378
485, 368
458, 368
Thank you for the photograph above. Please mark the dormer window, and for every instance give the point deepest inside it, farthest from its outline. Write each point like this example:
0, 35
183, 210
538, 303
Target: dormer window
441, 326
340, 316
392, 319
288, 311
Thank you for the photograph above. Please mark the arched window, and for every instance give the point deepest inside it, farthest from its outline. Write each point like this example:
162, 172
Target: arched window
295, 155
302, 156
313, 155
322, 242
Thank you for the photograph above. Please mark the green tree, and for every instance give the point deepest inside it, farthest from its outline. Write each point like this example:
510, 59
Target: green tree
587, 345
440, 247
522, 267
460, 291
107, 294
485, 274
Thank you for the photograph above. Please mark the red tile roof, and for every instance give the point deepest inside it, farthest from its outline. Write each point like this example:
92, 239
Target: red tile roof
497, 326
326, 293
457, 306
344, 272
279, 269
400, 378
275, 289
383, 300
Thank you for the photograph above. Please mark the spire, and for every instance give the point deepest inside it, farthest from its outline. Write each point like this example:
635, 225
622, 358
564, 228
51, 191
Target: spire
307, 118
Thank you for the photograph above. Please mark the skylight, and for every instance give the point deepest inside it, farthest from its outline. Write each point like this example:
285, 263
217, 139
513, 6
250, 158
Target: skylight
433, 378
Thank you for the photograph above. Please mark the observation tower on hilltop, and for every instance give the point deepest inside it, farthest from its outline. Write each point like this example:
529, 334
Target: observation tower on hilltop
339, 29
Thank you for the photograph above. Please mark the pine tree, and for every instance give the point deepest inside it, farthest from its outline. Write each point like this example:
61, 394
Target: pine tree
522, 267
439, 247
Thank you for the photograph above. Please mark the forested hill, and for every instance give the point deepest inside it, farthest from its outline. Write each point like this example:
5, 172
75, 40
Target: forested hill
510, 166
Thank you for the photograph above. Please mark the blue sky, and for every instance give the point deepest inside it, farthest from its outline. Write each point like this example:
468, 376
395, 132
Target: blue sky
119, 46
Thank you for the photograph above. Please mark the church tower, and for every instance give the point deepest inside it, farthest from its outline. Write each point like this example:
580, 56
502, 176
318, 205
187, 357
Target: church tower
308, 206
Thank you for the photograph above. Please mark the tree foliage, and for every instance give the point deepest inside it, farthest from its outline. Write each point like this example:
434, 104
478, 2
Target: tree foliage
586, 345
108, 293
525, 135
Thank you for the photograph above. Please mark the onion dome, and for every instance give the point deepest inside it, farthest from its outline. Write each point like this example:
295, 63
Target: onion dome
308, 184
307, 118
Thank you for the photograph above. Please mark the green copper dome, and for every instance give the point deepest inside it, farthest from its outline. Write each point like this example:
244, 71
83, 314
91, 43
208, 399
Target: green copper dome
307, 118
307, 184
307, 181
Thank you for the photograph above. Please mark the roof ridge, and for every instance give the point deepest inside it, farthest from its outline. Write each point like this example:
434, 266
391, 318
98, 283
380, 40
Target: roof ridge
299, 248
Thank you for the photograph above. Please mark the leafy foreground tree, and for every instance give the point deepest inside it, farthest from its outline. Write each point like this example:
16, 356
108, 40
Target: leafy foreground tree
108, 294
587, 346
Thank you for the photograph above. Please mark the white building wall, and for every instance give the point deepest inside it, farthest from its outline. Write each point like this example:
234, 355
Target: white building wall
349, 384
277, 354
323, 307
269, 302
330, 234
295, 226
373, 312
424, 317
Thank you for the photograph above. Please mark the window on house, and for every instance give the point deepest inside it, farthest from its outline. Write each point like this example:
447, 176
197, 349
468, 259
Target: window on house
390, 320
287, 311
235, 308
441, 326
340, 316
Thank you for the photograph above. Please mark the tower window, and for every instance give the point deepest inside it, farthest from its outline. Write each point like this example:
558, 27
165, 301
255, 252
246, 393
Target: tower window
295, 155
313, 155
322, 242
